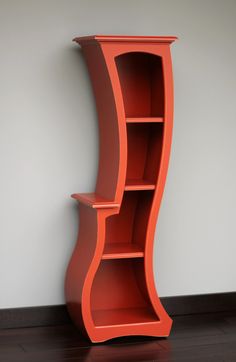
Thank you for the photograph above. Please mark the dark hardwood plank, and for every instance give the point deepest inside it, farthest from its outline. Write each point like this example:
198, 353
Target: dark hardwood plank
146, 351
59, 355
214, 352
41, 334
203, 337
194, 332
180, 343
9, 349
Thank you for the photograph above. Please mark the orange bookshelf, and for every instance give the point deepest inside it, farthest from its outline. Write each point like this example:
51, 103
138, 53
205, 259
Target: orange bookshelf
109, 287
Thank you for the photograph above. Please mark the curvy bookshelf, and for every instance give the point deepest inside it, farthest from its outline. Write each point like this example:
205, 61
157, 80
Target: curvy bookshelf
110, 289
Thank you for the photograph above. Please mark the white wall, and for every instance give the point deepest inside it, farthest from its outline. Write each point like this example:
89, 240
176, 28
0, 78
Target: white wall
49, 142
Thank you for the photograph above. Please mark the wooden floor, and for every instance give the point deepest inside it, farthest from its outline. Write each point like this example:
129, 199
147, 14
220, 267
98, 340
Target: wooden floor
204, 337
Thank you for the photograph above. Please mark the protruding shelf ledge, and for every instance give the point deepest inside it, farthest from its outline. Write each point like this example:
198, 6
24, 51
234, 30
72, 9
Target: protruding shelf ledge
135, 184
122, 251
145, 120
125, 38
123, 316
95, 201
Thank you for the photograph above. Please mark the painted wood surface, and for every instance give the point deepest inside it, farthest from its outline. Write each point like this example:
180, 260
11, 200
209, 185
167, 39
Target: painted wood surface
109, 288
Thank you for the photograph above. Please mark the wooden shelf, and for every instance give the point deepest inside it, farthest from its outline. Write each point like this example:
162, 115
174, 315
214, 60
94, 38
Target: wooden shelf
145, 120
122, 251
125, 38
116, 317
135, 184
95, 201
109, 283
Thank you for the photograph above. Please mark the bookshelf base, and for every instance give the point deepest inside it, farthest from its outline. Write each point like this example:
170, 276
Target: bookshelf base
123, 316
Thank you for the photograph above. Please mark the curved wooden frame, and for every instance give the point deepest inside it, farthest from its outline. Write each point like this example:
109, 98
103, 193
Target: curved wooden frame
86, 276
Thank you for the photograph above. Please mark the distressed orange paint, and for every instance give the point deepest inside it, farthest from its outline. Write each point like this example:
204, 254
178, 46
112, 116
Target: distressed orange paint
109, 288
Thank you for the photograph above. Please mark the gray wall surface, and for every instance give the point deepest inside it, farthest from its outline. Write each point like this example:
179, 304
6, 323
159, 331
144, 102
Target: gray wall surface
49, 142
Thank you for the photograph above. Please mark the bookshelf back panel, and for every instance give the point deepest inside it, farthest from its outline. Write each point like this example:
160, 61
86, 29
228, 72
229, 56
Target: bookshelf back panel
129, 226
119, 284
144, 151
141, 79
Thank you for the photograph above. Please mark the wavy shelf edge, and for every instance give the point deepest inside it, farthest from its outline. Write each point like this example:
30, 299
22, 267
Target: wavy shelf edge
122, 251
145, 120
136, 184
